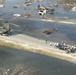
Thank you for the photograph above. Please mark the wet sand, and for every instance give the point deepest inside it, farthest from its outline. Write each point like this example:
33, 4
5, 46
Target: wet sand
28, 43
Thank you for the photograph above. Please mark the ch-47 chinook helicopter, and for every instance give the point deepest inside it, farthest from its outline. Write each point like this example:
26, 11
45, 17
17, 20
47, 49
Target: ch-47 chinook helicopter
5, 28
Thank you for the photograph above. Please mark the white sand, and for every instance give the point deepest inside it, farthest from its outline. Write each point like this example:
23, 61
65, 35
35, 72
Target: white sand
38, 46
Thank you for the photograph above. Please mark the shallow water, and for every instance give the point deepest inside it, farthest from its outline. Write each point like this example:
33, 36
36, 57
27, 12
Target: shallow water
42, 64
8, 11
66, 32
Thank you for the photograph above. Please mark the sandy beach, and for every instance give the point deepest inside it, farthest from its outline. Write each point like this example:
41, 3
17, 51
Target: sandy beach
31, 44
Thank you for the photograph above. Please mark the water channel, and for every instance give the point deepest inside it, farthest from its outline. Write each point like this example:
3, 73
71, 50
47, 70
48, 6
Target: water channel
42, 64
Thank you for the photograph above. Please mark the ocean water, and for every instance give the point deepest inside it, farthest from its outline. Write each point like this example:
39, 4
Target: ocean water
43, 65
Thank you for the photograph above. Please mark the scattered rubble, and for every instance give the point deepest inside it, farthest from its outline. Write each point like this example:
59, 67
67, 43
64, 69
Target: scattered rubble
49, 10
42, 10
27, 3
28, 15
17, 15
55, 5
1, 6
67, 6
74, 8
15, 6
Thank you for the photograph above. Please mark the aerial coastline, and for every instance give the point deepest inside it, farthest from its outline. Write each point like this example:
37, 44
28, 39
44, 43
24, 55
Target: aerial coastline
31, 44
38, 34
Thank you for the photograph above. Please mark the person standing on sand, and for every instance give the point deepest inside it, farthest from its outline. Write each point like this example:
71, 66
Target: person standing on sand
46, 41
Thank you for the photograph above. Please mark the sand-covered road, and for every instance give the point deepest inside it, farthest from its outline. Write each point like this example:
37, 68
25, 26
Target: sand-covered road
28, 43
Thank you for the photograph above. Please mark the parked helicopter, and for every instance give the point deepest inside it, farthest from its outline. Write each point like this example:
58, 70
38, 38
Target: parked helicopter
50, 31
5, 28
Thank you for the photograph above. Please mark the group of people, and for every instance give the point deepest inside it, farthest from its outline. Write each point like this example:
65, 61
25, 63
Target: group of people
65, 47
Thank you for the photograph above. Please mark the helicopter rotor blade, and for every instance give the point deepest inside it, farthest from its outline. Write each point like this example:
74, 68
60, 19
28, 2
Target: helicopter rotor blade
14, 24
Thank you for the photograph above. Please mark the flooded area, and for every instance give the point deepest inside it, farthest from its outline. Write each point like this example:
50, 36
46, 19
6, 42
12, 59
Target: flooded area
33, 27
42, 64
66, 32
7, 11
